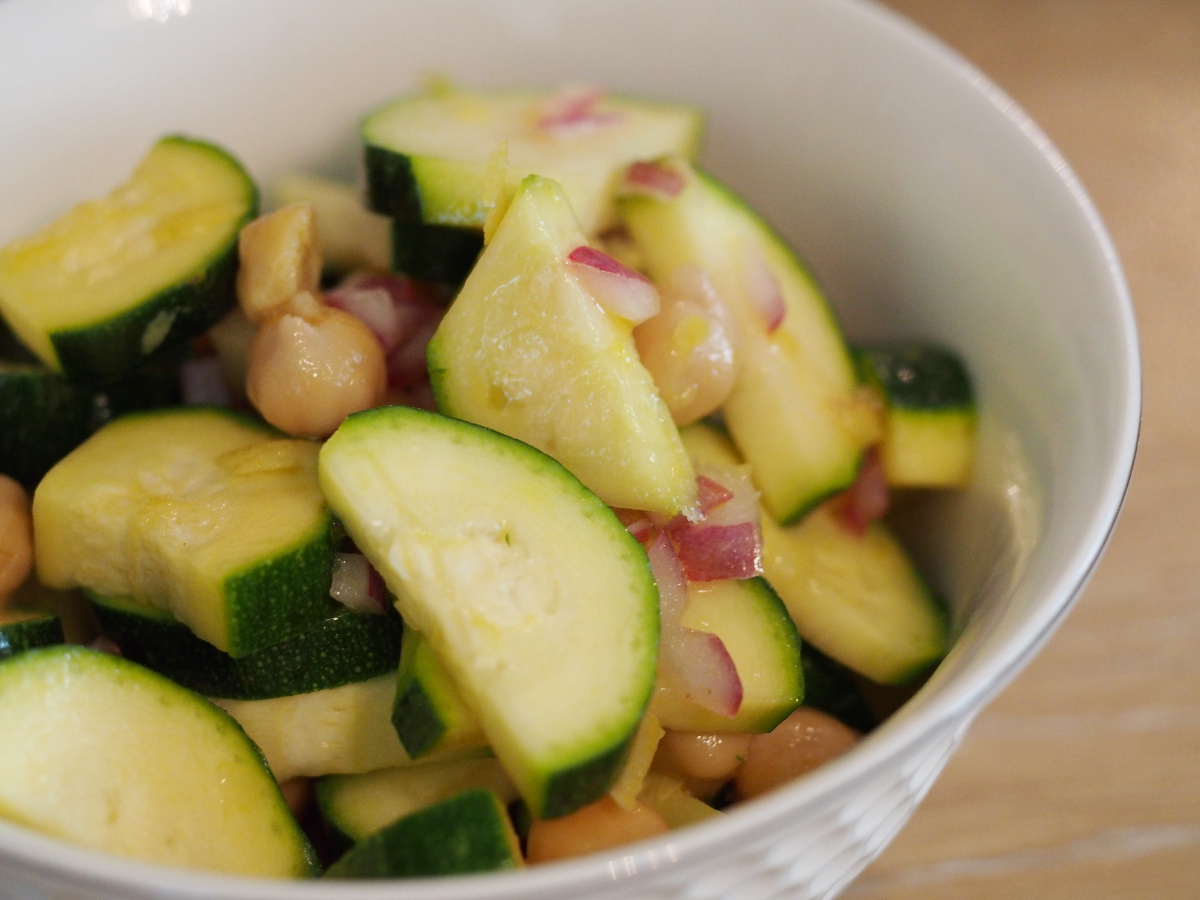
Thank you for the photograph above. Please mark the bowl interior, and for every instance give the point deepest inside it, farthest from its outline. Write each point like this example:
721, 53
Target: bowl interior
927, 204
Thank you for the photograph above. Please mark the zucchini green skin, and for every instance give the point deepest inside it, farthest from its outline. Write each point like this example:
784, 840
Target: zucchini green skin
759, 634
103, 347
104, 352
44, 416
469, 832
194, 793
794, 410
430, 251
345, 648
430, 715
917, 376
240, 588
587, 619
22, 630
857, 597
441, 253
930, 415
427, 166
357, 806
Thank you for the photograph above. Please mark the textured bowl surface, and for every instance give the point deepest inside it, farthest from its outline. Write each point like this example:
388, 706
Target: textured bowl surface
926, 202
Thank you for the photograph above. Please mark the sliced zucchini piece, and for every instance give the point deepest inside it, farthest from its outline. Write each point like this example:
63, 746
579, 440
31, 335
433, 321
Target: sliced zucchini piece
846, 594
24, 629
211, 513
469, 832
358, 806
795, 412
858, 598
929, 429
44, 416
335, 731
430, 715
342, 649
526, 350
145, 268
539, 602
114, 757
427, 160
755, 627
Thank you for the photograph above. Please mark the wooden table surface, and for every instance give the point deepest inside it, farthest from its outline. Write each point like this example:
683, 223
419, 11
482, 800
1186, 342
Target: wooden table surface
1083, 779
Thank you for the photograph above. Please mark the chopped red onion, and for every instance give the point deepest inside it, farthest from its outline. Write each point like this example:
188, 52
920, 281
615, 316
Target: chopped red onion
668, 574
762, 287
572, 111
698, 664
202, 383
654, 179
356, 585
867, 499
619, 289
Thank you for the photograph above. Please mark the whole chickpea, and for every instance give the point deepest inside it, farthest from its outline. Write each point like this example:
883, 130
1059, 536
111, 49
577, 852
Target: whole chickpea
704, 756
597, 826
16, 537
801, 742
310, 365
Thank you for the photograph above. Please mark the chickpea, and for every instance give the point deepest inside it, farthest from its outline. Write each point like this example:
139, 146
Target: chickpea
16, 537
311, 365
804, 740
597, 826
688, 347
280, 256
708, 757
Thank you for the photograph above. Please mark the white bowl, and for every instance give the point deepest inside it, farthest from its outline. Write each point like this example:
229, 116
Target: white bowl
927, 202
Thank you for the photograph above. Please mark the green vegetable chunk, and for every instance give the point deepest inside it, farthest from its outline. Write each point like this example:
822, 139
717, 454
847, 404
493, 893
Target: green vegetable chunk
145, 268
212, 514
469, 832
532, 593
132, 764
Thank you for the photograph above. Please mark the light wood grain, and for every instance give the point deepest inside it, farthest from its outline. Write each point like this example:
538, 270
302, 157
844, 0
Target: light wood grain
1083, 779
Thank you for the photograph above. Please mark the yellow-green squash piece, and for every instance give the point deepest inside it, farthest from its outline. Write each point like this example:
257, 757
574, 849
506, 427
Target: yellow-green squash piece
103, 753
210, 514
538, 601
527, 351
148, 266
795, 411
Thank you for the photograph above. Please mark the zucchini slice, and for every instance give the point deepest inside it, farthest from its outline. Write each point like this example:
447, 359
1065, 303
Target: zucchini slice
342, 649
859, 598
795, 412
430, 715
145, 268
427, 160
211, 513
335, 731
25, 629
533, 594
755, 627
468, 832
929, 429
114, 757
358, 806
526, 350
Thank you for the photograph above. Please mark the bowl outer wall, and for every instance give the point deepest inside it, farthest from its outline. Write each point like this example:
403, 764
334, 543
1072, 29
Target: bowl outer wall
929, 205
